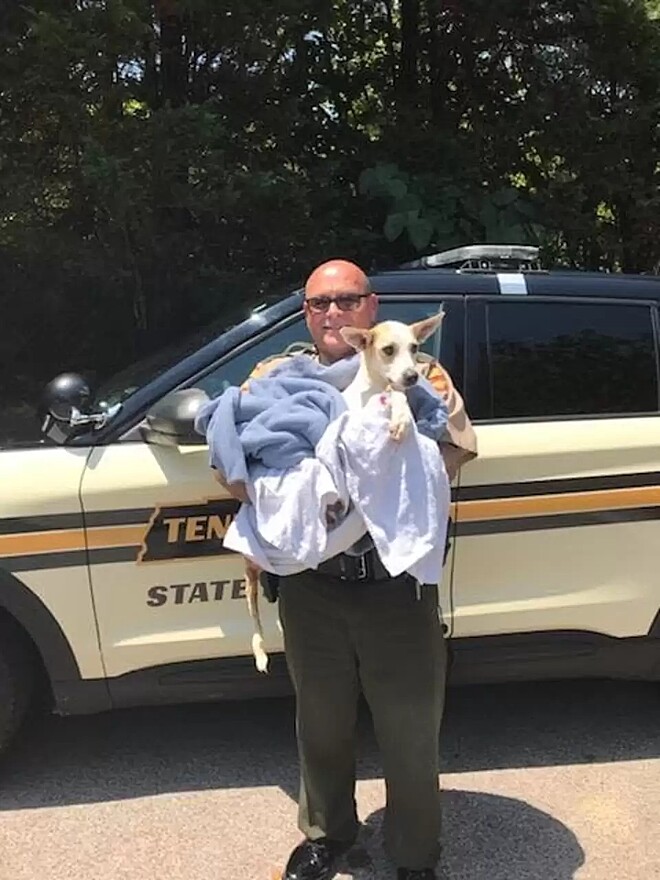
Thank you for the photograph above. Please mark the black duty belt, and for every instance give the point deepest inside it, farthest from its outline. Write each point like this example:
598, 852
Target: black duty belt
366, 567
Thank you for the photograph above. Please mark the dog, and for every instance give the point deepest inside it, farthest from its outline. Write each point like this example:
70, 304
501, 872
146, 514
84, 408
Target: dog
387, 367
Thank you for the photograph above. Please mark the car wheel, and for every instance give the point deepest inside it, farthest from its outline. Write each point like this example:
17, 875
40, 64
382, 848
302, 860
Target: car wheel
17, 679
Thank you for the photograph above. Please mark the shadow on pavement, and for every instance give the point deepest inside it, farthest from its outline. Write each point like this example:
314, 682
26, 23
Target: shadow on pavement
141, 752
485, 837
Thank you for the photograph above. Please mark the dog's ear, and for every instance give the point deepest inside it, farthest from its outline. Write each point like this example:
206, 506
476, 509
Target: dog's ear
423, 329
356, 337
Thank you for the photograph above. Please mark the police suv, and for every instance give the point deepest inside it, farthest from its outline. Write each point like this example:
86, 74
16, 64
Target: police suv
115, 589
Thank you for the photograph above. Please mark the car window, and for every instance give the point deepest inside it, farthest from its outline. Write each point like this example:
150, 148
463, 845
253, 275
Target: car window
128, 381
235, 370
561, 358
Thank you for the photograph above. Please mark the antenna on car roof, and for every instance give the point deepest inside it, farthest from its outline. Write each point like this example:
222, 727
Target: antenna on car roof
482, 258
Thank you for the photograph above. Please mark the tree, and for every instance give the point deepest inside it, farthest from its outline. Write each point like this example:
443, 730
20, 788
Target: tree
162, 160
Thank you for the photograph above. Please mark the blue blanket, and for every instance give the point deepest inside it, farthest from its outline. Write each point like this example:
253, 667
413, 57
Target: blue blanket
281, 417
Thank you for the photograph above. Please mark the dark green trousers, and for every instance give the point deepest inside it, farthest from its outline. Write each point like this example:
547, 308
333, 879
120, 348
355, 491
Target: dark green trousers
384, 639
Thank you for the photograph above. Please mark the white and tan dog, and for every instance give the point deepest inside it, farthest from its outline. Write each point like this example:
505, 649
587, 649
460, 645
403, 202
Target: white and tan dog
387, 365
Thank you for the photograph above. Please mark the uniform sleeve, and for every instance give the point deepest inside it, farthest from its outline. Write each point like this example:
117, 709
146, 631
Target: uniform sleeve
262, 368
460, 445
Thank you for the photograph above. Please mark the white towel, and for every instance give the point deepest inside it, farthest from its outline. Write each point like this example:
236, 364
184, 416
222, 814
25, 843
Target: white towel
397, 491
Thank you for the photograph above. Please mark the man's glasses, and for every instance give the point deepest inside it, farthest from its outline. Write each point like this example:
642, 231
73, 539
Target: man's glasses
345, 302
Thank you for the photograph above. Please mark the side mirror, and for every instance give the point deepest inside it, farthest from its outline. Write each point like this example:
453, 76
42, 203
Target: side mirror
171, 421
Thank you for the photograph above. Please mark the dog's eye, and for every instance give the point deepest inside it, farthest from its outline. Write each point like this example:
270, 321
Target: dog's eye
414, 348
388, 350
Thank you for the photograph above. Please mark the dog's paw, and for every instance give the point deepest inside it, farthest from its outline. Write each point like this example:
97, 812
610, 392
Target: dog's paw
333, 513
400, 415
398, 428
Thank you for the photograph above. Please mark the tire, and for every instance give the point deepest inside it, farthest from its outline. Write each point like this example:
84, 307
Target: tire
17, 679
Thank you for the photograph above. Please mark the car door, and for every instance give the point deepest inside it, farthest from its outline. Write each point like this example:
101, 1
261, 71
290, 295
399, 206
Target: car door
42, 553
164, 590
558, 517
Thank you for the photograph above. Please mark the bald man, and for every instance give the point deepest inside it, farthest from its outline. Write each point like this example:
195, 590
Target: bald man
381, 636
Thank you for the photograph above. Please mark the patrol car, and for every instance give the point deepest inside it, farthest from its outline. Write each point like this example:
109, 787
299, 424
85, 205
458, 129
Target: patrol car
115, 588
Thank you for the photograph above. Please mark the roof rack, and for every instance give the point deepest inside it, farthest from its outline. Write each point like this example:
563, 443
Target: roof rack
482, 258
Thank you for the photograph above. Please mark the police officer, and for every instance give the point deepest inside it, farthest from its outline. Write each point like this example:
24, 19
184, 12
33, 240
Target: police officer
348, 628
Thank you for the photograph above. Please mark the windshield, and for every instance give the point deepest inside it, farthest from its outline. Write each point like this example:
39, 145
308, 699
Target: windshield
126, 382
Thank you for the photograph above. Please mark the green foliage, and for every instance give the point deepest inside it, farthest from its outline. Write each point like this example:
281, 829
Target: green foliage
440, 212
161, 160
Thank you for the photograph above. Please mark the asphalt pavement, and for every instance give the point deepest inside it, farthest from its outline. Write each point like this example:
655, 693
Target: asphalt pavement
548, 781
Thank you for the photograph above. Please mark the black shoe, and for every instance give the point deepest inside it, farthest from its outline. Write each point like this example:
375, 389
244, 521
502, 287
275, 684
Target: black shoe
411, 874
315, 859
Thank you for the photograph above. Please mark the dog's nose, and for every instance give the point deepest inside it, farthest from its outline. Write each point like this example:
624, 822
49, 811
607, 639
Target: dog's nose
409, 378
